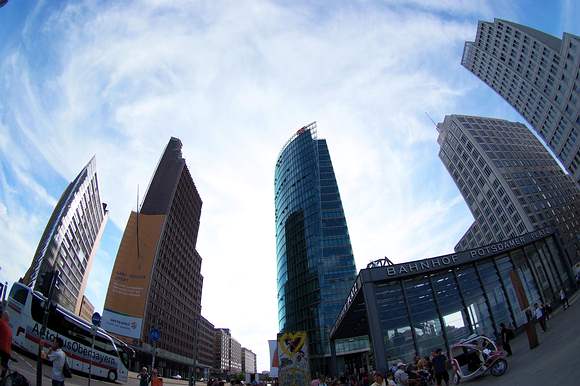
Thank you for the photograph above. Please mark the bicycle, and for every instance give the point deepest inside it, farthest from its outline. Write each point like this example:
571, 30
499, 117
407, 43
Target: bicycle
13, 377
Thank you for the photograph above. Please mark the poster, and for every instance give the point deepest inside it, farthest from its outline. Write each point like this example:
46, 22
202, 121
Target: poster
293, 359
273, 345
129, 285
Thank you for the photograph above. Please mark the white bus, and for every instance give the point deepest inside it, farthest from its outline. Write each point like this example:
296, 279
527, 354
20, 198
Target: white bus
26, 310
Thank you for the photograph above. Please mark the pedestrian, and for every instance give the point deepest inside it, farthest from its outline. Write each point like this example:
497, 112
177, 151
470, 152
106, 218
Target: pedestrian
506, 336
144, 377
5, 343
379, 379
440, 367
401, 376
315, 381
564, 299
547, 308
58, 359
540, 316
156, 380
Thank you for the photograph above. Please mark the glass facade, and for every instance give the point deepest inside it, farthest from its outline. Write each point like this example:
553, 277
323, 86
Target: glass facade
420, 311
70, 240
314, 255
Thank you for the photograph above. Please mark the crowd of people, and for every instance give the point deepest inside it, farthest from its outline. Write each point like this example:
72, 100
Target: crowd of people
427, 370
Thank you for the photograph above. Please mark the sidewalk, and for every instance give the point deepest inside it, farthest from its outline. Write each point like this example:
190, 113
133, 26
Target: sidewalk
554, 362
168, 381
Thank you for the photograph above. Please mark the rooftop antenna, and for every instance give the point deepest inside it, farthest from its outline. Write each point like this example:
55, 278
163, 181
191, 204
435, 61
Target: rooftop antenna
431, 119
138, 254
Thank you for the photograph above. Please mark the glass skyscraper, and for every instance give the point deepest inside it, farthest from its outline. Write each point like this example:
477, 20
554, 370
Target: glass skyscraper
70, 240
315, 262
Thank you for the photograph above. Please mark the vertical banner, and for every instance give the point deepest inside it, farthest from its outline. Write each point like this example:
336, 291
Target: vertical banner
273, 345
293, 359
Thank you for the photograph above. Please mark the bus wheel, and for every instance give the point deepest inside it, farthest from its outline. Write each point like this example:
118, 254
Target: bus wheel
112, 376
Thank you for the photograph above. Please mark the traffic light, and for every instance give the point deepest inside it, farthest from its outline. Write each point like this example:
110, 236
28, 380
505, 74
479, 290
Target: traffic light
49, 283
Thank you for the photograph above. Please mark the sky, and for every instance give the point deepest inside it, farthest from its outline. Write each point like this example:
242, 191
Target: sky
233, 81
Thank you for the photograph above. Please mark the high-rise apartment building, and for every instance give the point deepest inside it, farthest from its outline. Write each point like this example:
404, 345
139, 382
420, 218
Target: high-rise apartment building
510, 182
222, 349
235, 356
248, 361
156, 281
87, 309
314, 256
205, 344
70, 239
538, 74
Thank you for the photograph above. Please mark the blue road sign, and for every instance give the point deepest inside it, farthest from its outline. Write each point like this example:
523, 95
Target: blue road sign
96, 319
154, 335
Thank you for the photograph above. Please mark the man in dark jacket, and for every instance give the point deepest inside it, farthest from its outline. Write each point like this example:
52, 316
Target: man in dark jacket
440, 367
506, 336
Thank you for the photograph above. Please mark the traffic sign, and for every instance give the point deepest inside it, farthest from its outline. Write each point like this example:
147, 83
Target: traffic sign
96, 319
154, 335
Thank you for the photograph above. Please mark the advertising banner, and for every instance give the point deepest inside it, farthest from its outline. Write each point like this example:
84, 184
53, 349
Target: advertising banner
293, 359
120, 324
273, 345
129, 285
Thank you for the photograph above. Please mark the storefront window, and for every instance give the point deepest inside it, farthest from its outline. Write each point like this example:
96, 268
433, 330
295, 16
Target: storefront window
455, 317
526, 277
396, 327
536, 266
494, 290
428, 331
505, 266
557, 258
549, 266
473, 295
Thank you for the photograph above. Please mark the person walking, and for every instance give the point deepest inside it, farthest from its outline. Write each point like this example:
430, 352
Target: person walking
564, 299
506, 336
58, 359
540, 316
440, 367
5, 343
379, 379
144, 377
156, 380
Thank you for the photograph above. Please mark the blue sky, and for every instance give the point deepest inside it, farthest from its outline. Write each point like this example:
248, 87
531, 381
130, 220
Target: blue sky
234, 81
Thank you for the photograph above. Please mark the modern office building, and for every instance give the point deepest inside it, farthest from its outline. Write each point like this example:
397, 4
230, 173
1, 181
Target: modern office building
536, 73
314, 255
205, 346
87, 309
70, 240
510, 182
235, 364
156, 281
413, 308
248, 361
222, 350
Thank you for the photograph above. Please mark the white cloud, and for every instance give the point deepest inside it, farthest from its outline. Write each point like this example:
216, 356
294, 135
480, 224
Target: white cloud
233, 81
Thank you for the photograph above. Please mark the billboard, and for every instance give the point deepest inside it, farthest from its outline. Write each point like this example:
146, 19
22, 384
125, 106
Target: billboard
129, 285
293, 359
273, 345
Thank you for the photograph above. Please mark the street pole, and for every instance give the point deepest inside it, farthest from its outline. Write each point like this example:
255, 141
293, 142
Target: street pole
195, 351
153, 359
91, 356
53, 283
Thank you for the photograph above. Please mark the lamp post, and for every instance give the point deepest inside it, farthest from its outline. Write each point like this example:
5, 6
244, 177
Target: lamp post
195, 333
51, 280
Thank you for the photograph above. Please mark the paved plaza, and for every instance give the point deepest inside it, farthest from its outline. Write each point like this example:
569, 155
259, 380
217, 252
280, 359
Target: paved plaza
555, 362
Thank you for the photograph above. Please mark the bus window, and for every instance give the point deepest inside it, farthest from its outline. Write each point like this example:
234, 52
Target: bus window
36, 310
19, 294
124, 358
106, 346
